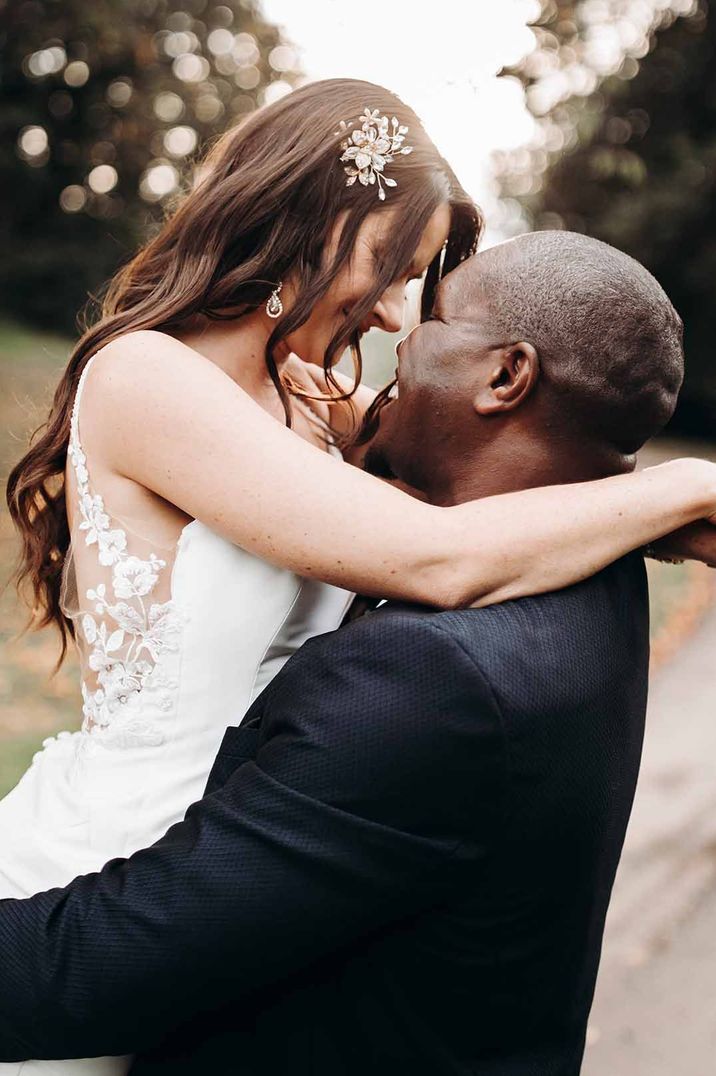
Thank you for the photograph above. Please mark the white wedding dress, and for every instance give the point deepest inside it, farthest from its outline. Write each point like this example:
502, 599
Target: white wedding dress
175, 643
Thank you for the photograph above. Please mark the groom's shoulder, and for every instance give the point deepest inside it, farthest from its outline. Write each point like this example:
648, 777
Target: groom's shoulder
596, 632
395, 635
399, 657
591, 636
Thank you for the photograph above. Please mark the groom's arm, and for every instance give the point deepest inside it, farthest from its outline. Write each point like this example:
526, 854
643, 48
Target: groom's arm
379, 777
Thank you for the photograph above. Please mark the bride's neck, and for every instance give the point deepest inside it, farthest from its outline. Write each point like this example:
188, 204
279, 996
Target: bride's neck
238, 347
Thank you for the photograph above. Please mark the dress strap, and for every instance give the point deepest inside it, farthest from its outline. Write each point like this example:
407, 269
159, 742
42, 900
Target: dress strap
74, 448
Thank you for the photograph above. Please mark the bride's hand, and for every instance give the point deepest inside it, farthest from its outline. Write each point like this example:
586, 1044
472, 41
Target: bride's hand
695, 542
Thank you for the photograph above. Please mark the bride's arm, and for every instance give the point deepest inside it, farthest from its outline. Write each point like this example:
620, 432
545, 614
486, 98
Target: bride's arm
163, 416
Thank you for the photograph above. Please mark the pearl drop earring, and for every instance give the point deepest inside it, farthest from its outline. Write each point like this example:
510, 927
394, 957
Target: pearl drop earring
274, 306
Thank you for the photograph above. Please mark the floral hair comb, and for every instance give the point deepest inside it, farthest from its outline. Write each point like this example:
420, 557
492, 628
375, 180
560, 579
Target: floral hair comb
368, 149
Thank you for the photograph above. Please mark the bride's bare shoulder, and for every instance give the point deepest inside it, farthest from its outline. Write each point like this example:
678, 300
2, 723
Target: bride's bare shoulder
142, 351
147, 365
146, 385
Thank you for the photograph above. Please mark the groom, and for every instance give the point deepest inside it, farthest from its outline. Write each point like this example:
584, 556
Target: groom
405, 855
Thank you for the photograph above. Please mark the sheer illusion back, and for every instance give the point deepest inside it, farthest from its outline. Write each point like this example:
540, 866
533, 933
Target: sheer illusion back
117, 590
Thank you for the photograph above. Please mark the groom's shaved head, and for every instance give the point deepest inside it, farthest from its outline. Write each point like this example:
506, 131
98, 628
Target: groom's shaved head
609, 340
551, 357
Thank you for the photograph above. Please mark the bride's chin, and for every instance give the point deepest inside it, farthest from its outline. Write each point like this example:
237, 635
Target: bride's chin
312, 352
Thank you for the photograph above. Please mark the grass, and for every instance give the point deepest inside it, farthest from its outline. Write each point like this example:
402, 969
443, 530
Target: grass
33, 703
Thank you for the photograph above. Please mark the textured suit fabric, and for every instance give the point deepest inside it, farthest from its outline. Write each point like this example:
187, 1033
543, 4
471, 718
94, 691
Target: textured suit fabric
402, 863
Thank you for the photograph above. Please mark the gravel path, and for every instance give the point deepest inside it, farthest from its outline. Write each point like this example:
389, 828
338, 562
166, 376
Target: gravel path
655, 1008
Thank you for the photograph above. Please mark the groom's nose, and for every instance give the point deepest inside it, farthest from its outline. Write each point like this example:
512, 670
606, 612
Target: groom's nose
402, 343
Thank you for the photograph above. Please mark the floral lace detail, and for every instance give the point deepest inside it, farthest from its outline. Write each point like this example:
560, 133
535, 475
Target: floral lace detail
129, 634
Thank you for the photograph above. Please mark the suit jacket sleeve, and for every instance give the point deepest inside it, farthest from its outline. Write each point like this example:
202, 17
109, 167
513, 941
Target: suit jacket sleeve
376, 781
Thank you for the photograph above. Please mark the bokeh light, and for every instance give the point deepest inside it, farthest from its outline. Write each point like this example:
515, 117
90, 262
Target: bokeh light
168, 107
283, 58
102, 178
179, 44
245, 49
46, 61
77, 73
220, 41
191, 68
180, 141
247, 77
73, 198
159, 180
33, 144
119, 92
208, 108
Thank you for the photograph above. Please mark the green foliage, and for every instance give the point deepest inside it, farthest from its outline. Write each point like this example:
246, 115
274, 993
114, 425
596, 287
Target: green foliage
105, 104
638, 169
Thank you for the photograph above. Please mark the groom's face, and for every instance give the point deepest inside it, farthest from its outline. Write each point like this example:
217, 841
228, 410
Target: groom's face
440, 364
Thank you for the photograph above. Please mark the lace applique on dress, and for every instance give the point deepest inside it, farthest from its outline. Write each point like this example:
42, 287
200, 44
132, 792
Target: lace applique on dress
128, 637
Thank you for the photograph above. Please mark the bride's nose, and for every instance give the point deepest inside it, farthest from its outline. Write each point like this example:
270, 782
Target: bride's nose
388, 312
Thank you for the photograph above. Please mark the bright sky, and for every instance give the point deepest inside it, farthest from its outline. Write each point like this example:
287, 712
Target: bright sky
440, 57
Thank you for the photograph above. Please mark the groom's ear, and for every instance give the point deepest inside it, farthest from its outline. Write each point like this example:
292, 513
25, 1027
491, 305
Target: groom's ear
511, 373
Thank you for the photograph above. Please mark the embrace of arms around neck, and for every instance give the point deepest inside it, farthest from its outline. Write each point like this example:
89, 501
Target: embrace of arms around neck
160, 414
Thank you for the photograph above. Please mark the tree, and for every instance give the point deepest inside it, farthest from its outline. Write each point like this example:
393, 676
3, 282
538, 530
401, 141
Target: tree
105, 105
632, 160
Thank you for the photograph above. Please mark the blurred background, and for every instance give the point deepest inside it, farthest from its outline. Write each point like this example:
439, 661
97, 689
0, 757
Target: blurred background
595, 115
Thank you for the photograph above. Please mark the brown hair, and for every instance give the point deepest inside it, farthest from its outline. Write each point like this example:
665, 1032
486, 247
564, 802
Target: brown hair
271, 193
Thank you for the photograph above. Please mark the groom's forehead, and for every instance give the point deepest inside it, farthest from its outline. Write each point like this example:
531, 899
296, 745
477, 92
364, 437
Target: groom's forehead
460, 293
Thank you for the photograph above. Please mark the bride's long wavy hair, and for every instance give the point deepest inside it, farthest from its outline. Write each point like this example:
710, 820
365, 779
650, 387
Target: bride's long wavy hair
271, 193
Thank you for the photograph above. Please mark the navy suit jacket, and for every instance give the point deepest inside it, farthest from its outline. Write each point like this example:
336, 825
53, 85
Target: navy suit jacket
402, 863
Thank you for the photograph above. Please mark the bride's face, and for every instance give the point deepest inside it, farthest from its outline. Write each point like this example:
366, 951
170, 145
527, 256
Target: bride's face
357, 278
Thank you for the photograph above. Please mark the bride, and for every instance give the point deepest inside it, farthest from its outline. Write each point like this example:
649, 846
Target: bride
185, 514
